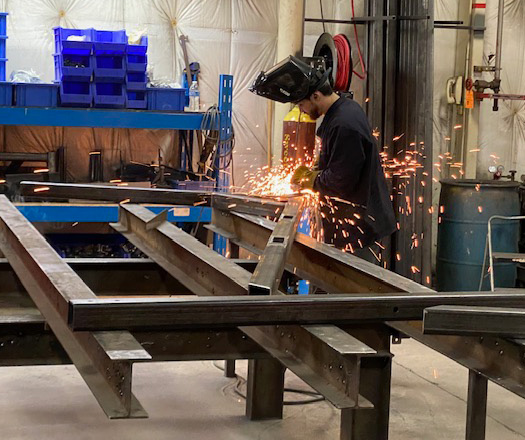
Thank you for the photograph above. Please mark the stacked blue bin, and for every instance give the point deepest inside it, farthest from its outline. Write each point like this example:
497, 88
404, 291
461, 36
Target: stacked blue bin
73, 66
109, 62
6, 88
136, 79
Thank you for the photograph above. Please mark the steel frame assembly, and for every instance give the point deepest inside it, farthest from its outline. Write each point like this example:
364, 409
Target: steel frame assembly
338, 343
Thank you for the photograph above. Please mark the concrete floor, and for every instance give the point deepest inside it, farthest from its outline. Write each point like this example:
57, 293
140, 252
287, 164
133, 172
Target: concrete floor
189, 401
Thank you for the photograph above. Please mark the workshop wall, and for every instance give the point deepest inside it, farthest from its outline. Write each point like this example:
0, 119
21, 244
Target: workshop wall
502, 133
239, 37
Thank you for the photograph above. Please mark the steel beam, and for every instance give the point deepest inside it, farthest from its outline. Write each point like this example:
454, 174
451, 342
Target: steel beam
345, 273
475, 321
269, 271
110, 193
192, 263
246, 204
27, 340
325, 266
499, 360
228, 202
229, 311
104, 360
211, 274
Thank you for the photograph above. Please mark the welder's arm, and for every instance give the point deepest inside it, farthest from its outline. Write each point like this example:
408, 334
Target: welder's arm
345, 163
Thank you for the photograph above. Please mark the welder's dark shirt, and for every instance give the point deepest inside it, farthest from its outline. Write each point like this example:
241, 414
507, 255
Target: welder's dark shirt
351, 170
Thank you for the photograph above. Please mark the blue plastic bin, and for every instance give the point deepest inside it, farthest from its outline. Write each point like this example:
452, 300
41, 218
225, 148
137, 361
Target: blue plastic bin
63, 46
36, 95
109, 68
110, 42
6, 94
65, 72
138, 49
3, 62
109, 95
137, 63
166, 99
136, 80
75, 94
137, 99
3, 23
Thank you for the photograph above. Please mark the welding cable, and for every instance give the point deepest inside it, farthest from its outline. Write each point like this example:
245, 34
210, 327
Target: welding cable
241, 381
363, 67
344, 62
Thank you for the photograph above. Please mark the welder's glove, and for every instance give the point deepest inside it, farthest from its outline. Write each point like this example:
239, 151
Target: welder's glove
304, 177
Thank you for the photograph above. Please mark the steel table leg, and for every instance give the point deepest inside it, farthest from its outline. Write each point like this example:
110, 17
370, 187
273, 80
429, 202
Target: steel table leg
376, 372
265, 389
476, 406
229, 368
229, 364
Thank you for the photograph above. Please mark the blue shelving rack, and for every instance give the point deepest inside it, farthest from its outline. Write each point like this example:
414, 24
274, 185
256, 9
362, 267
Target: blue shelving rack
225, 134
93, 117
111, 118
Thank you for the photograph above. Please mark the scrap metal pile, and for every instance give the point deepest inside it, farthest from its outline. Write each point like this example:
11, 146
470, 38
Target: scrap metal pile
338, 343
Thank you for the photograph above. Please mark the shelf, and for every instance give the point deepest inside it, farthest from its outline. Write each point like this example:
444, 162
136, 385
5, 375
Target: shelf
104, 213
509, 256
72, 117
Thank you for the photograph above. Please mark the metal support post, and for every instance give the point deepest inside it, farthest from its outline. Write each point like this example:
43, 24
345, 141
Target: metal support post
376, 373
476, 406
265, 389
229, 364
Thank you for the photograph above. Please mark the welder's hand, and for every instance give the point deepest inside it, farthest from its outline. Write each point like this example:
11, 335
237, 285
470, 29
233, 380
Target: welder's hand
304, 177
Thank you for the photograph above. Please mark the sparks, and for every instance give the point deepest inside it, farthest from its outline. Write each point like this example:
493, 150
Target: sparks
41, 189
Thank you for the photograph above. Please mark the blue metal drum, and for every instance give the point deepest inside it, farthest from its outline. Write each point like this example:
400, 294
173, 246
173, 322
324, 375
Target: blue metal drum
465, 208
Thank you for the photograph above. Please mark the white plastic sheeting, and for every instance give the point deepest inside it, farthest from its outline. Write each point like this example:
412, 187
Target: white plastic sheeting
502, 133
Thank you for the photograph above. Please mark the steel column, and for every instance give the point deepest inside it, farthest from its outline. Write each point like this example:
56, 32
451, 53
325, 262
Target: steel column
265, 389
476, 406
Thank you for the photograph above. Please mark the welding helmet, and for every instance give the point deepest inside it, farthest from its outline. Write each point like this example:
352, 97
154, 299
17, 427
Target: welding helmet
292, 80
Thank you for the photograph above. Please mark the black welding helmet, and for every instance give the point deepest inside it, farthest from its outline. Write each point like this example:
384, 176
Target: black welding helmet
292, 80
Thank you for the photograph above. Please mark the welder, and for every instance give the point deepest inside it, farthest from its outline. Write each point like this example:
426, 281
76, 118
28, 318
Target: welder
358, 211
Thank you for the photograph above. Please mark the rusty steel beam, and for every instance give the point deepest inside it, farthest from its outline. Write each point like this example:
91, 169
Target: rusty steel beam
270, 268
337, 272
211, 274
103, 359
